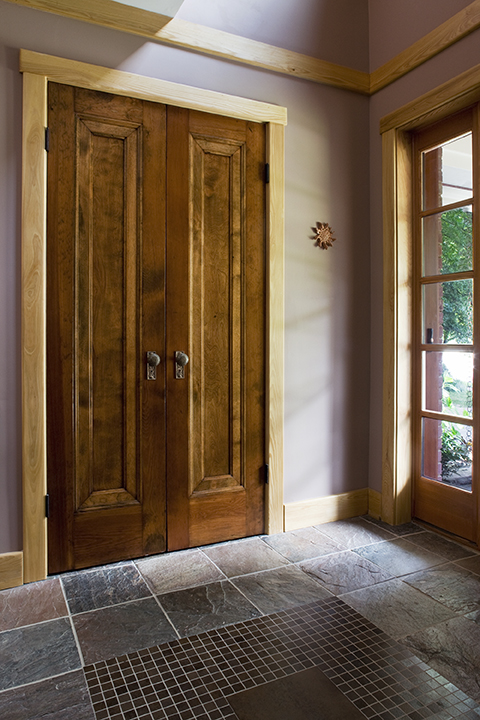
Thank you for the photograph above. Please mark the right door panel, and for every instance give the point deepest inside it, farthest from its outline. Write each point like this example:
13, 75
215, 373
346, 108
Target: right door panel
215, 306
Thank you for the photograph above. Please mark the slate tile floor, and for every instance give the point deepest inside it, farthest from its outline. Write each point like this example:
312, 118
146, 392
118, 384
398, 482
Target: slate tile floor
390, 617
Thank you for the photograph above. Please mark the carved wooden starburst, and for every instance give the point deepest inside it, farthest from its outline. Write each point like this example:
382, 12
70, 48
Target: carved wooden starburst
323, 235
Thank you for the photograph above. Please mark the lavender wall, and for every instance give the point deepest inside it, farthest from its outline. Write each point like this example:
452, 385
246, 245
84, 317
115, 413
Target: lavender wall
327, 300
402, 25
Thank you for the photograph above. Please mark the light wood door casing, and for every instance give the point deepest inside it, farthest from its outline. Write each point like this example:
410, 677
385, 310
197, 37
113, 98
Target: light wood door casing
105, 298
216, 272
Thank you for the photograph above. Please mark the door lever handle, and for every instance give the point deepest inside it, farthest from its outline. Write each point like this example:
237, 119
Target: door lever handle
152, 361
181, 359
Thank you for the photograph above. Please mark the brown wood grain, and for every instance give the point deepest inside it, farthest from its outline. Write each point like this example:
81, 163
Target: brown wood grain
223, 270
101, 480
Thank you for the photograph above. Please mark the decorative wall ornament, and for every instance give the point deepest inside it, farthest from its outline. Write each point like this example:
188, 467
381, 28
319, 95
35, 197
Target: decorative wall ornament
323, 235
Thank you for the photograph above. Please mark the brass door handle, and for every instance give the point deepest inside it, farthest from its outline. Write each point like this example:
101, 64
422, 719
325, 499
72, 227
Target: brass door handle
152, 361
181, 359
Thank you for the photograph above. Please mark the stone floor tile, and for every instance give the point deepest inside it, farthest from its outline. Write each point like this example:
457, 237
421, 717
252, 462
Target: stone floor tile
302, 544
203, 608
441, 546
472, 564
286, 587
61, 698
178, 570
105, 586
397, 608
244, 556
398, 530
122, 629
449, 584
36, 652
400, 556
32, 603
344, 572
451, 648
355, 532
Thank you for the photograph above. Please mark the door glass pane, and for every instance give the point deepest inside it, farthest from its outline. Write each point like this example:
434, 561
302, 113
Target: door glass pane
447, 242
447, 382
447, 453
447, 312
447, 173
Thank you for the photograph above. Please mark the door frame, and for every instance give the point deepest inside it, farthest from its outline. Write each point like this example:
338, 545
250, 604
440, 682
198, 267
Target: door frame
38, 69
397, 173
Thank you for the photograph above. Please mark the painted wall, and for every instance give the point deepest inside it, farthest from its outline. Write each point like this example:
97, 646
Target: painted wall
450, 63
327, 299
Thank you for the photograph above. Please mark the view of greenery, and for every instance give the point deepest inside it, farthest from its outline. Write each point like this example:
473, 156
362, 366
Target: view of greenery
457, 327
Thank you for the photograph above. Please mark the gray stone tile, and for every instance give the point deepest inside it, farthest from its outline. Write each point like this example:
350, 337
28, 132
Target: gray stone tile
109, 585
354, 533
121, 629
397, 608
472, 564
449, 584
400, 556
212, 606
60, 698
475, 616
244, 556
302, 544
279, 589
452, 649
36, 652
306, 695
32, 603
178, 570
344, 572
397, 530
441, 546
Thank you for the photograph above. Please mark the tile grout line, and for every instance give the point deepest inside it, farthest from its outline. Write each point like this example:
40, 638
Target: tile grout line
74, 631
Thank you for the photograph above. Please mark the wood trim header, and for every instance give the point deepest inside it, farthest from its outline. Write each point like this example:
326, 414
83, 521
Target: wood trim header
71, 72
446, 99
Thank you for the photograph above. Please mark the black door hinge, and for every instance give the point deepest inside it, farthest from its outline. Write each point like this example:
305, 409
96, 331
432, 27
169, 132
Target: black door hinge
47, 139
47, 506
266, 474
267, 172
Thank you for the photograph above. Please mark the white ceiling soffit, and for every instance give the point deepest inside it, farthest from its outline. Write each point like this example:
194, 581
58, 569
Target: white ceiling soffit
162, 7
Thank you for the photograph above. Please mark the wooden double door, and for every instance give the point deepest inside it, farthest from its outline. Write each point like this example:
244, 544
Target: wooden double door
156, 244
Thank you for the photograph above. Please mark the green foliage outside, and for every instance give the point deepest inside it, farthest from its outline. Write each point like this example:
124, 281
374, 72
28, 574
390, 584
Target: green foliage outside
458, 328
457, 257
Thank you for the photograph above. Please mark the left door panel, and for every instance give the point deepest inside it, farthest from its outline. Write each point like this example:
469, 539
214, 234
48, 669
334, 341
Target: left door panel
105, 311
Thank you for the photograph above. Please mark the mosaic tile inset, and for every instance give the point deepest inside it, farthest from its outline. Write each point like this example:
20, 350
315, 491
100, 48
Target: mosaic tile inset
193, 678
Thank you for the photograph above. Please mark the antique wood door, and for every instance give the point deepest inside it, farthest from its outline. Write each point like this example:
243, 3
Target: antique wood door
155, 244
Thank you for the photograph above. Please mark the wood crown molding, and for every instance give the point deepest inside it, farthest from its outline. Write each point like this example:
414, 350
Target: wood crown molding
448, 33
217, 43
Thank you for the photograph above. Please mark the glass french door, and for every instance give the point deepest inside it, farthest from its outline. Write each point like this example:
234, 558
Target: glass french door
446, 325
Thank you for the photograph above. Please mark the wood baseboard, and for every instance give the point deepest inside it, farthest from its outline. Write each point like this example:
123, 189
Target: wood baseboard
11, 570
327, 509
374, 504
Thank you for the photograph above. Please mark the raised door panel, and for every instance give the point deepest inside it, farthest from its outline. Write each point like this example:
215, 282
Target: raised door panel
105, 309
215, 313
